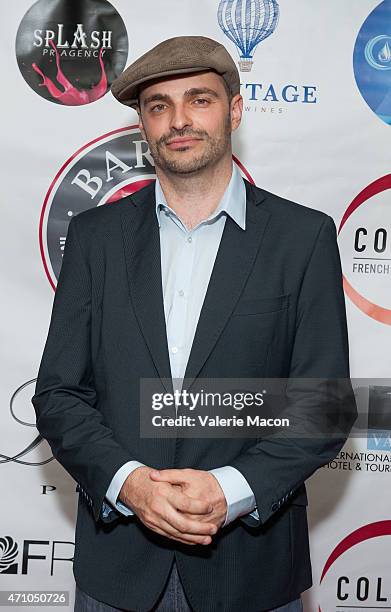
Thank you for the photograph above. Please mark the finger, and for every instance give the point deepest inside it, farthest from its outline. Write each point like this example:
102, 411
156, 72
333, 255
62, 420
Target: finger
184, 525
188, 504
173, 476
168, 535
186, 538
206, 540
198, 517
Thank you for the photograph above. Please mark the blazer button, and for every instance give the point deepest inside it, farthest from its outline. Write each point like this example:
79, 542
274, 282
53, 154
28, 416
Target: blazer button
274, 506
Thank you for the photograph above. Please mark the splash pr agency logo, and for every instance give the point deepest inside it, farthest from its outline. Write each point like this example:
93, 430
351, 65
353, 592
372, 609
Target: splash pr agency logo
23, 558
70, 55
246, 24
372, 61
365, 243
103, 171
345, 584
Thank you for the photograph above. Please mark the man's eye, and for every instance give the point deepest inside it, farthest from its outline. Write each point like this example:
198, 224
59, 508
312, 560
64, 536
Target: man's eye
157, 107
201, 100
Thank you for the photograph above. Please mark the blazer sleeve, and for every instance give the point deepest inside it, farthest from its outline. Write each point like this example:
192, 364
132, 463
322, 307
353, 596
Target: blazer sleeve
324, 403
65, 399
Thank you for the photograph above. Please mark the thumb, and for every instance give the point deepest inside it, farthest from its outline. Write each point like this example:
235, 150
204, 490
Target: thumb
155, 474
173, 476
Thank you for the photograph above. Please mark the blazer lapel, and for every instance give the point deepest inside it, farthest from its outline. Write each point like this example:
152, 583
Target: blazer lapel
142, 255
234, 260
233, 263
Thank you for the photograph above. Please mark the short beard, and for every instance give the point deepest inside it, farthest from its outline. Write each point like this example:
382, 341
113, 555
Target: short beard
214, 151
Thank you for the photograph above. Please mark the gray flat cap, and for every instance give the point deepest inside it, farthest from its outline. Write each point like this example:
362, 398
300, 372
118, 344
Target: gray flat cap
182, 54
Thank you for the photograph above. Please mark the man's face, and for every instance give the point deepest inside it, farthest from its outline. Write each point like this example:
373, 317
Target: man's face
187, 121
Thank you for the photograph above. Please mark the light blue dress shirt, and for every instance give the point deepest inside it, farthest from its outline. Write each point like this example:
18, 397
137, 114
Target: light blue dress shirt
187, 259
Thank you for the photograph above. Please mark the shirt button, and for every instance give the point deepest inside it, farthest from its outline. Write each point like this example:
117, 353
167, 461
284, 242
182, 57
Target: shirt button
174, 349
189, 239
181, 293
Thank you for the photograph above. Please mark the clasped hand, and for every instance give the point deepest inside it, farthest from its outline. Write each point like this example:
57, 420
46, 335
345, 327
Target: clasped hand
186, 505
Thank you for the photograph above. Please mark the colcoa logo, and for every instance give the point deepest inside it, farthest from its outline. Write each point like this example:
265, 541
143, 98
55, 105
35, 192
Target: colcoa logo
71, 55
341, 587
365, 242
103, 171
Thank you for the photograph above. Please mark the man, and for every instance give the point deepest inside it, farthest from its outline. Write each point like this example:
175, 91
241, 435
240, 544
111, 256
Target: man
198, 275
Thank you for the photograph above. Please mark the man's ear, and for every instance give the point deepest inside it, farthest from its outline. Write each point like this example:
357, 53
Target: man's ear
236, 111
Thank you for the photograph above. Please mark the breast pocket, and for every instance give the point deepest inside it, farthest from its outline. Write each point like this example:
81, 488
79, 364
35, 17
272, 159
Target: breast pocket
264, 305
254, 327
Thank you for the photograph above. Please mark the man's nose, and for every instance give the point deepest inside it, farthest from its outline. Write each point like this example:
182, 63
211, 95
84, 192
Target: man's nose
180, 117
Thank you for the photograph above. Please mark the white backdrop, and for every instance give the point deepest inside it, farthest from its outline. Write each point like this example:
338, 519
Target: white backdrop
320, 153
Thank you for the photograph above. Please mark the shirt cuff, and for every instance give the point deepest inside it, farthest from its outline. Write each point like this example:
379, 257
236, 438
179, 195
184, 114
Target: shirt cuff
115, 487
238, 493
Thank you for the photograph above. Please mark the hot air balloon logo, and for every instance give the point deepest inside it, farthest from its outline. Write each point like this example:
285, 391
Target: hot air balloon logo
247, 23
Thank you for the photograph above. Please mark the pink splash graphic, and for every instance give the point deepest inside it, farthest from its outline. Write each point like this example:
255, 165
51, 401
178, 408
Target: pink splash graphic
72, 96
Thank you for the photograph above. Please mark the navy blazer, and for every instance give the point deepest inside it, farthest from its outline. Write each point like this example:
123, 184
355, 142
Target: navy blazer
274, 308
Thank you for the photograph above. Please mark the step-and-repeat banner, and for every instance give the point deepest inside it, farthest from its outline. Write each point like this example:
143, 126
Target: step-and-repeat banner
316, 127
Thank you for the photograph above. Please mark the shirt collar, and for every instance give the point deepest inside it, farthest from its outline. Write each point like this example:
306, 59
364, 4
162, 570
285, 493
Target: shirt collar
233, 201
